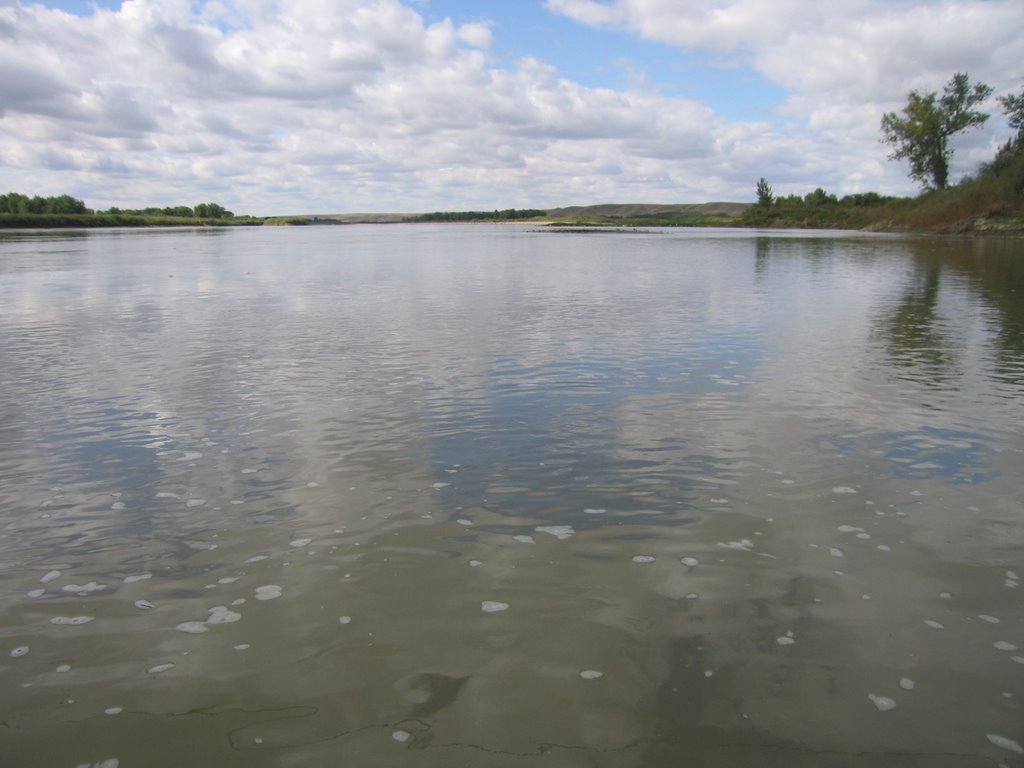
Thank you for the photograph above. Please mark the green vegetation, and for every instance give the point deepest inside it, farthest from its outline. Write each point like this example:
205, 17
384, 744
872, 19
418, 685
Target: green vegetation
63, 211
509, 214
922, 134
659, 219
990, 200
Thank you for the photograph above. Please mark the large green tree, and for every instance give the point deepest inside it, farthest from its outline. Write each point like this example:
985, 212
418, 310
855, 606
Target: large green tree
921, 133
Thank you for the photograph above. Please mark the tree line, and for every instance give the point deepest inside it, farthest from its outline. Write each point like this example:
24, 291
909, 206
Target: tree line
509, 214
22, 205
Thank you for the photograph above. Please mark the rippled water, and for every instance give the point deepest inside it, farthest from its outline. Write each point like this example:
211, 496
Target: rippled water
484, 496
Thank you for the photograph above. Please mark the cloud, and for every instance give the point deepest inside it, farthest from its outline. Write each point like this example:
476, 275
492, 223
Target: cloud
329, 105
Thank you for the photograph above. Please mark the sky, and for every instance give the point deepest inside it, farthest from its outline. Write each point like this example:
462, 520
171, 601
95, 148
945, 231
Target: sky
330, 106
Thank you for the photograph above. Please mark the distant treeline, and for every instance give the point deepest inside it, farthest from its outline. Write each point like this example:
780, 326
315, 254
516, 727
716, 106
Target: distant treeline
509, 214
14, 202
20, 211
815, 209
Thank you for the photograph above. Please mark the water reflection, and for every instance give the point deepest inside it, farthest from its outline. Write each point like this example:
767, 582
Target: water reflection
475, 495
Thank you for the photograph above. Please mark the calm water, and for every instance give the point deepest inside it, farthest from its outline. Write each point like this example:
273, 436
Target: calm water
483, 496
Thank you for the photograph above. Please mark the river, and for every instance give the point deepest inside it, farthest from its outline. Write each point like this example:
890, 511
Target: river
439, 495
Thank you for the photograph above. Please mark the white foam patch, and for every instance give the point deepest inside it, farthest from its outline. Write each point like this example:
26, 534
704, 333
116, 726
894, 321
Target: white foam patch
1002, 645
835, 552
113, 711
21, 650
1018, 659
242, 647
72, 620
268, 592
692, 596
84, 589
843, 489
743, 545
144, 605
344, 619
719, 501
475, 563
787, 640
195, 503
560, 532
167, 495
989, 619
63, 668
884, 548
690, 562
50, 576
594, 511
934, 624
1005, 743
156, 670
643, 559
137, 577
33, 593
884, 703
906, 684
439, 486
523, 539
299, 542
221, 615
591, 674
257, 558
117, 506
228, 580
192, 627
401, 736
493, 606
850, 529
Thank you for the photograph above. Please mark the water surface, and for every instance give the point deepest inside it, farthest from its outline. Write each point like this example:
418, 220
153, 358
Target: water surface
445, 495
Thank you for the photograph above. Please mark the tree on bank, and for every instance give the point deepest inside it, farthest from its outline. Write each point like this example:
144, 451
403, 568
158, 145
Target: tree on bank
764, 192
921, 134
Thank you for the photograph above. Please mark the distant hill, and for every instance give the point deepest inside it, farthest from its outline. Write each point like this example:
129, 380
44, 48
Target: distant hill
632, 210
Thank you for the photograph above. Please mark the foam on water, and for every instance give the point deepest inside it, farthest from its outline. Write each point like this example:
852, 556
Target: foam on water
989, 619
560, 532
643, 559
298, 543
35, 593
1002, 645
242, 647
221, 615
21, 650
192, 627
268, 592
493, 606
143, 604
523, 539
401, 736
843, 489
786, 640
475, 563
690, 562
72, 620
137, 577
934, 624
1005, 743
344, 619
257, 558
63, 668
50, 576
594, 511
884, 703
84, 589
156, 670
113, 711
906, 684
591, 674
743, 545
835, 552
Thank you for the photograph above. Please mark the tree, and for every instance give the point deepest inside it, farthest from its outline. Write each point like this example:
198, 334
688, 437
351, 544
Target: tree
1013, 107
764, 192
922, 134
